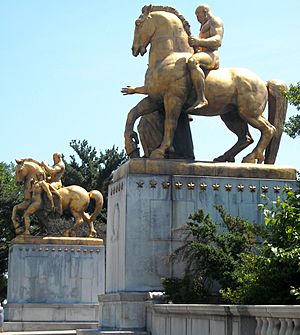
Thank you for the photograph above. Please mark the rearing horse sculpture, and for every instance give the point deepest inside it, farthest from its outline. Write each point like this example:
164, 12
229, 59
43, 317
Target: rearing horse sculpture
236, 94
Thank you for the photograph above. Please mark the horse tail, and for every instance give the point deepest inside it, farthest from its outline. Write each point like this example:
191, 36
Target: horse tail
98, 197
277, 108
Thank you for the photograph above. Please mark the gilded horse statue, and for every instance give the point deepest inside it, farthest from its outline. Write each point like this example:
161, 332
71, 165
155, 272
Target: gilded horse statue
74, 198
237, 95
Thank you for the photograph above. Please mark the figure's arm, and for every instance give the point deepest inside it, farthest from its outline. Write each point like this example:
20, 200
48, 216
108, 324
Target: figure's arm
214, 41
134, 90
48, 168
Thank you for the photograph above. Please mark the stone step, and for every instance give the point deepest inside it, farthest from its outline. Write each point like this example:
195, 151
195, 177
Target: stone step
110, 332
42, 327
49, 332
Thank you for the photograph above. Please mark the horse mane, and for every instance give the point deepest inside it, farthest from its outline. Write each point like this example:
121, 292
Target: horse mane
154, 8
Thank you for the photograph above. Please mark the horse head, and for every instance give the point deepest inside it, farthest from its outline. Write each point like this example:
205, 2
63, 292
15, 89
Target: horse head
144, 30
25, 171
21, 172
161, 22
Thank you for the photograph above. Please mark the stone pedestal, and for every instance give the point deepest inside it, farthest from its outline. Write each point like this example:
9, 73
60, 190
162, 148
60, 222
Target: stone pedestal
150, 199
55, 279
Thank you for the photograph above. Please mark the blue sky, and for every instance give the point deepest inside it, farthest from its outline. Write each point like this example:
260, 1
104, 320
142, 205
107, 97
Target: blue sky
63, 63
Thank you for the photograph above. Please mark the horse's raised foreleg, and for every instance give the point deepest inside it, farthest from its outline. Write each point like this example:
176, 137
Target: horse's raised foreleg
144, 107
20, 207
239, 127
267, 132
173, 107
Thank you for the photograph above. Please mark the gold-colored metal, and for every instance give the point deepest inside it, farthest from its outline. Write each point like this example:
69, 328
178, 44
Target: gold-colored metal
203, 186
276, 189
168, 88
178, 185
216, 186
166, 184
152, 183
33, 175
228, 187
265, 189
240, 187
140, 184
191, 185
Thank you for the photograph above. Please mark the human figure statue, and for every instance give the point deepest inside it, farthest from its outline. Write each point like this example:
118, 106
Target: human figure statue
37, 189
54, 180
206, 52
56, 172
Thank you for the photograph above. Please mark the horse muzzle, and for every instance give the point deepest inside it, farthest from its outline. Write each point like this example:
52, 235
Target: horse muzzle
138, 51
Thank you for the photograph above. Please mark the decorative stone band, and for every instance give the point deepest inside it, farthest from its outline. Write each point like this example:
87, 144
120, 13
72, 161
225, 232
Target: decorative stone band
27, 239
192, 185
207, 169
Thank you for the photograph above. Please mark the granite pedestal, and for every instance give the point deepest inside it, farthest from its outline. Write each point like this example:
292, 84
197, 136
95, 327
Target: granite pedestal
54, 280
150, 199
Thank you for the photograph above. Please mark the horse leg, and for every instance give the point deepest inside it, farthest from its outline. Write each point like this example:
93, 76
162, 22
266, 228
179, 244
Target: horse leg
173, 107
87, 220
239, 127
267, 131
20, 207
144, 107
78, 221
30, 211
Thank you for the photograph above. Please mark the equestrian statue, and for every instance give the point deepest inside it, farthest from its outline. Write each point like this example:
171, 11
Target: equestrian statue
43, 192
184, 79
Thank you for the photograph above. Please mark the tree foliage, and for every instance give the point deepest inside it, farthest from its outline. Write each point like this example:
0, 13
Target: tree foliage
10, 195
292, 126
252, 264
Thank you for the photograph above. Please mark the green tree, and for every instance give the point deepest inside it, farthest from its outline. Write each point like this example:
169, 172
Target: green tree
292, 126
93, 170
10, 195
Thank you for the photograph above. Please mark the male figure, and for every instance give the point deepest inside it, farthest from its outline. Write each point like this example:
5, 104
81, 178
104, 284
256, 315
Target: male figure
56, 172
206, 52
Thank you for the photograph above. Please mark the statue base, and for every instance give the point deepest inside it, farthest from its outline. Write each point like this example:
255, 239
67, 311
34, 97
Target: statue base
54, 279
149, 200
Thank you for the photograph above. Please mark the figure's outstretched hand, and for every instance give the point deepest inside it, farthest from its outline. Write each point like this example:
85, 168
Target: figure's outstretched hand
128, 90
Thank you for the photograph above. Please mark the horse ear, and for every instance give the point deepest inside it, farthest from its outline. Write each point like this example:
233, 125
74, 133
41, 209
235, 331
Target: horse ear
19, 161
146, 9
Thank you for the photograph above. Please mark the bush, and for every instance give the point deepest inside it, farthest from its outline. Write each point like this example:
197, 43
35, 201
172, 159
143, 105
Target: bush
252, 264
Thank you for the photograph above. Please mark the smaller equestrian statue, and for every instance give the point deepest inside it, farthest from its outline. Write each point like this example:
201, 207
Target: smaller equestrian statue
45, 194
183, 78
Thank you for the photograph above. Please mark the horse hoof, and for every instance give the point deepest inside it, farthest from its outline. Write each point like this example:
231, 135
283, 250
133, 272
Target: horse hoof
224, 159
248, 160
157, 154
19, 230
93, 235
